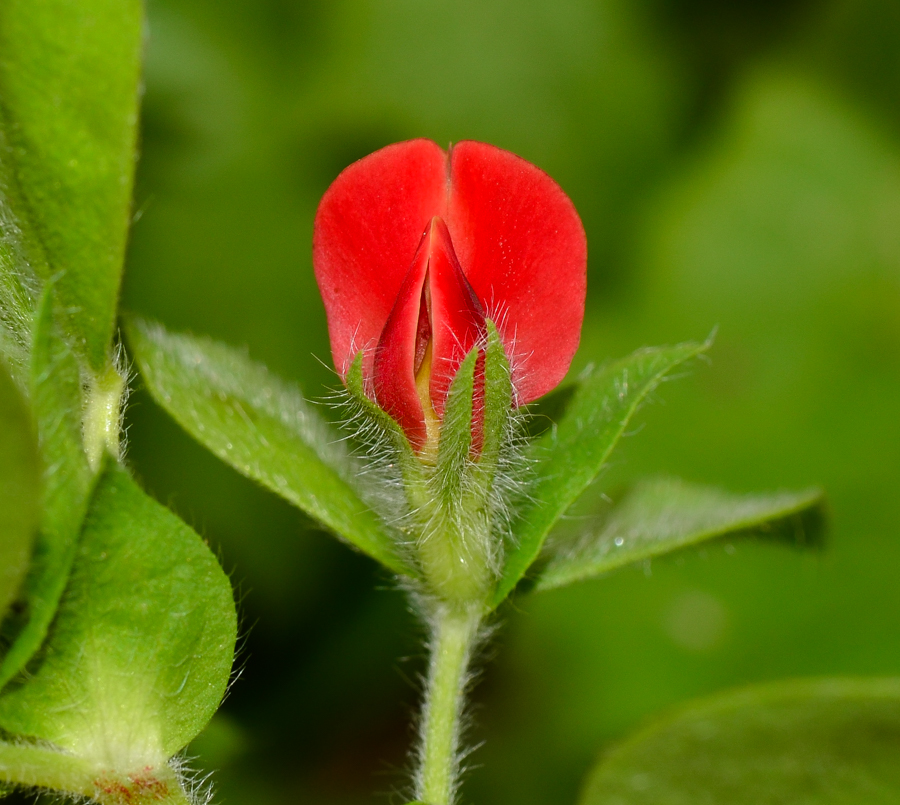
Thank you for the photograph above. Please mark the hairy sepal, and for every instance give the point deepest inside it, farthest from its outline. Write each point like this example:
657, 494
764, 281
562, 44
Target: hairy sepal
464, 521
379, 432
399, 483
454, 512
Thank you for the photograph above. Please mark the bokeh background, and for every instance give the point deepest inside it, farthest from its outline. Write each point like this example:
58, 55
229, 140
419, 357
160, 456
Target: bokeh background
736, 165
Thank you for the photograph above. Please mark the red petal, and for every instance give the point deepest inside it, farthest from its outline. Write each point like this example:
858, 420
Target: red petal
394, 366
457, 317
457, 322
516, 234
522, 247
367, 228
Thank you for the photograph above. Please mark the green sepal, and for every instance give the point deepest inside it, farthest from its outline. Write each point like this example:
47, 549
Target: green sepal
497, 405
56, 399
455, 447
462, 519
20, 488
660, 515
384, 428
568, 458
453, 542
816, 742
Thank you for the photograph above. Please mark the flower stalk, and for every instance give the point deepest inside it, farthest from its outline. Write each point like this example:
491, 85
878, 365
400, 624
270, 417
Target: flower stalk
455, 632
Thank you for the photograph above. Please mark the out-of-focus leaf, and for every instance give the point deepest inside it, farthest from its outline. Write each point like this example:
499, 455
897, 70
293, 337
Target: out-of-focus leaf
263, 428
141, 649
570, 455
20, 488
56, 400
661, 515
69, 76
807, 742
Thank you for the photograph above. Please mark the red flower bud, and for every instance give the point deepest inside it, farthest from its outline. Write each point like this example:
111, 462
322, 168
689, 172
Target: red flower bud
414, 247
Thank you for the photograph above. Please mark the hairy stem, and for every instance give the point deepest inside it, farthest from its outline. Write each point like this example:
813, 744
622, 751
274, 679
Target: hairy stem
32, 766
454, 633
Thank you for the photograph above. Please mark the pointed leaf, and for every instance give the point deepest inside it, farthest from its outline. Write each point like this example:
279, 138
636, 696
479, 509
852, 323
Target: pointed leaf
140, 653
69, 77
799, 742
263, 428
20, 488
571, 455
661, 515
56, 400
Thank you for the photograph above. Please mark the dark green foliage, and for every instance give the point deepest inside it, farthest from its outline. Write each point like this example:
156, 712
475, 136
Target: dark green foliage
815, 742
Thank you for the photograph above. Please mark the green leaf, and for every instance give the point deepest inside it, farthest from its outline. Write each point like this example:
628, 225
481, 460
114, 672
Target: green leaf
661, 515
56, 400
570, 455
264, 429
805, 742
69, 79
140, 652
20, 488
19, 286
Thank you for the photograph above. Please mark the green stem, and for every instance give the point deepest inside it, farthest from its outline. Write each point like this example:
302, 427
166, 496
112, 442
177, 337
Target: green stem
455, 632
35, 767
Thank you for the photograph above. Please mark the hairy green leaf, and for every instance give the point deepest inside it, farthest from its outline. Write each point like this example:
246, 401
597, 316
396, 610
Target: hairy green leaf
661, 515
569, 456
56, 400
263, 428
141, 649
19, 284
69, 78
20, 488
806, 742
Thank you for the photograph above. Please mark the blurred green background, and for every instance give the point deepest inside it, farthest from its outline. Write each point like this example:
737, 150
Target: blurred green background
735, 164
